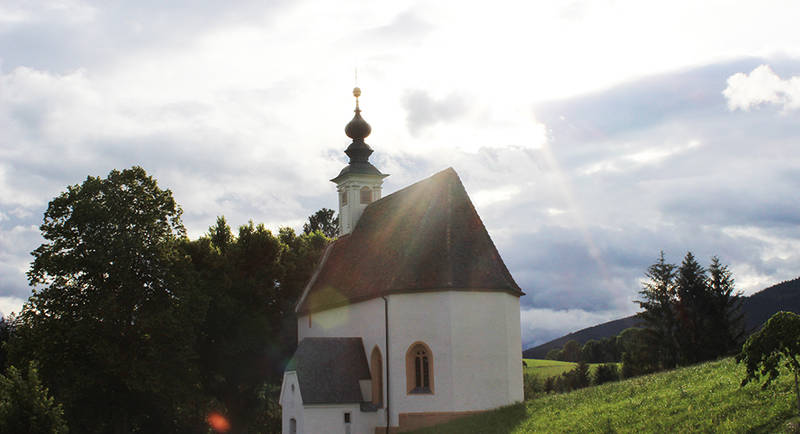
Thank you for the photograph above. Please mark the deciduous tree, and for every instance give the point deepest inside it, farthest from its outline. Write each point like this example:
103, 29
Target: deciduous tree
111, 319
323, 221
778, 342
253, 281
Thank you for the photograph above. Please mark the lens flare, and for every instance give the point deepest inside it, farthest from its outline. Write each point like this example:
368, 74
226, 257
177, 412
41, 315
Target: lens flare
217, 422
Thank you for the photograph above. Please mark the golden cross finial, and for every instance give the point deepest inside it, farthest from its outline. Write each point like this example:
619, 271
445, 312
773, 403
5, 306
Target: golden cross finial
356, 93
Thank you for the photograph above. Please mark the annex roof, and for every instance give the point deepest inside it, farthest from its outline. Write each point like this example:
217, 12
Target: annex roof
328, 370
425, 237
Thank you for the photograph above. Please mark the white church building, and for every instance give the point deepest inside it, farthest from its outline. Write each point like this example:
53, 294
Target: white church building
410, 319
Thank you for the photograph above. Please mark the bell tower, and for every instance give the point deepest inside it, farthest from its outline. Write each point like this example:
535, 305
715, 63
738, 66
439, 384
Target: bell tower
359, 183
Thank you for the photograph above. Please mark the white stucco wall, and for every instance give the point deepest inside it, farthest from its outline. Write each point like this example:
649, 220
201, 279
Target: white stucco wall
474, 338
329, 419
351, 185
364, 320
291, 402
477, 351
313, 419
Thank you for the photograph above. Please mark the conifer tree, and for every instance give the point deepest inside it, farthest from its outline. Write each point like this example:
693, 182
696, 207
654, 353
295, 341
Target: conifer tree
725, 324
692, 308
658, 304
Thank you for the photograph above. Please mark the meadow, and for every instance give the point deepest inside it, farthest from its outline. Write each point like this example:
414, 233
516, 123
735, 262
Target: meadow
701, 398
543, 368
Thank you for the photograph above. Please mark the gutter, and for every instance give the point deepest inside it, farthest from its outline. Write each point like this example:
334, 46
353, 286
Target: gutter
388, 379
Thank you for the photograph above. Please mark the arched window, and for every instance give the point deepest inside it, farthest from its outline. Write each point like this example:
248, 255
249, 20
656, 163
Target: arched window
366, 195
419, 369
376, 372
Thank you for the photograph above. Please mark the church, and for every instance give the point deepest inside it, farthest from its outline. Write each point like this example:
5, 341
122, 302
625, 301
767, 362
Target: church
410, 319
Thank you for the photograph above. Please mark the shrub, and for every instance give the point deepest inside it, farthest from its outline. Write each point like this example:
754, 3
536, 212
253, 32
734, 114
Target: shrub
26, 406
532, 385
606, 373
549, 384
581, 375
554, 354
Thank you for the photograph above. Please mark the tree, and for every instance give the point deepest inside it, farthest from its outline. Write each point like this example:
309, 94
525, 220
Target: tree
6, 330
778, 341
112, 315
572, 351
692, 307
609, 350
323, 221
726, 322
581, 375
605, 373
26, 405
689, 314
554, 354
592, 351
220, 235
637, 357
658, 303
252, 281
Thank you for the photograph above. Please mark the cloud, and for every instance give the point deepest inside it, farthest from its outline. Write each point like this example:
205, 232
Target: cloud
580, 177
542, 325
9, 305
423, 111
683, 175
761, 87
16, 240
404, 28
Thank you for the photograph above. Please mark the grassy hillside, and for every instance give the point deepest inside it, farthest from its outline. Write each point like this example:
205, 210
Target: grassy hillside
702, 398
551, 368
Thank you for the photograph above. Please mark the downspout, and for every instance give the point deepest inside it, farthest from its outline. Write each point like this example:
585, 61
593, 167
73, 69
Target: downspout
388, 379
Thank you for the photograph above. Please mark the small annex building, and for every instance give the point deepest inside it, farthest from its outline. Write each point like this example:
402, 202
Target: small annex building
410, 319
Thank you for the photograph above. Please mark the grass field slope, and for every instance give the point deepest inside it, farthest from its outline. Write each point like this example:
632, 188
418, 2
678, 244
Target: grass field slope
544, 368
701, 398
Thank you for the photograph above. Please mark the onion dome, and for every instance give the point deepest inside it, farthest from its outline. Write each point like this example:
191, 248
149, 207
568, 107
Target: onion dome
358, 128
358, 151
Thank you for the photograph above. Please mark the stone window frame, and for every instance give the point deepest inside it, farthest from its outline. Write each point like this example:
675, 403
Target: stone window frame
415, 370
376, 372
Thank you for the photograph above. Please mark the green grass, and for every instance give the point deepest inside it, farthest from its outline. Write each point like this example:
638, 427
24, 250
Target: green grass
701, 398
552, 368
547, 368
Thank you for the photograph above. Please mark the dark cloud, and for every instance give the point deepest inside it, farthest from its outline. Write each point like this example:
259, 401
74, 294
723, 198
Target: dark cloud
61, 38
424, 111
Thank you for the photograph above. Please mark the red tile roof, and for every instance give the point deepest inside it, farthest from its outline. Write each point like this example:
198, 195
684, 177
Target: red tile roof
424, 238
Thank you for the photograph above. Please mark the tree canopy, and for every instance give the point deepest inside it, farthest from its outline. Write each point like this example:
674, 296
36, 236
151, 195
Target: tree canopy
689, 314
252, 282
26, 405
136, 328
323, 221
111, 316
777, 342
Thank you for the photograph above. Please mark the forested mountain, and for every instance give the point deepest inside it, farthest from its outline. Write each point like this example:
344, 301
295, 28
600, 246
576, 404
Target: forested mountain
757, 309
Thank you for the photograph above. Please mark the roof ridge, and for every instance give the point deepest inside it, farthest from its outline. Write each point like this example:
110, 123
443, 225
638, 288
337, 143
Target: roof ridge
416, 184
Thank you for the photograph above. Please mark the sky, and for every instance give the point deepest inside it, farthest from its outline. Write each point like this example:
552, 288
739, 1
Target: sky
590, 135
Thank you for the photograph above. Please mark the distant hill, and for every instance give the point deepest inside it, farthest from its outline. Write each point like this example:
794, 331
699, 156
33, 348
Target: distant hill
757, 310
